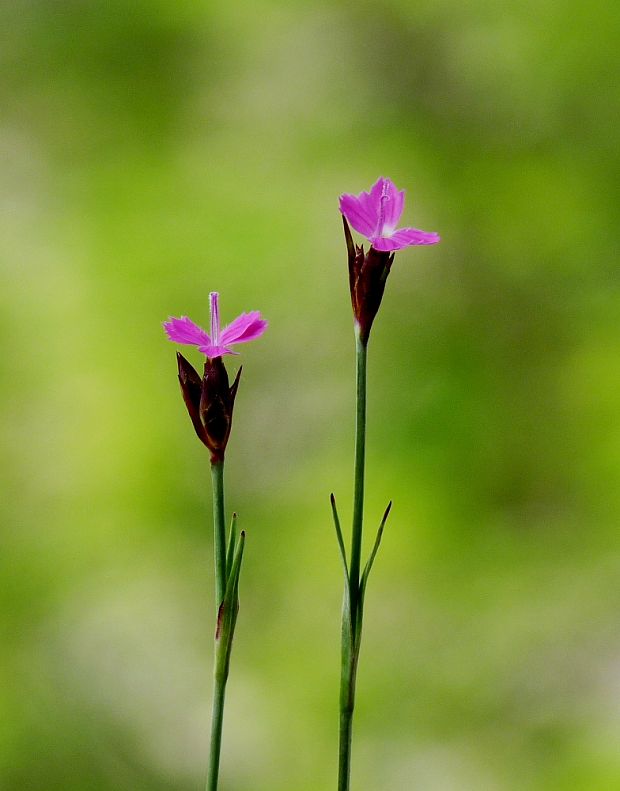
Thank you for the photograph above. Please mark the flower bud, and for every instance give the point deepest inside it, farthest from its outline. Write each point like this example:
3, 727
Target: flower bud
367, 275
209, 402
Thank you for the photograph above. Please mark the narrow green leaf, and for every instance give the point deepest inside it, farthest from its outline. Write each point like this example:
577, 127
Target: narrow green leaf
364, 579
227, 612
343, 553
235, 574
232, 540
373, 554
233, 578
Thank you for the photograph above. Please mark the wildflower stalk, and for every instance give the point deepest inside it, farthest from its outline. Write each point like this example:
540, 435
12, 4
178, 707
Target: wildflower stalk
219, 679
210, 400
361, 350
351, 612
374, 214
227, 568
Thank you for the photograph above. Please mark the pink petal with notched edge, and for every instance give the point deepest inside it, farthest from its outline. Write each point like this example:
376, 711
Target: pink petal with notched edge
359, 214
371, 201
246, 327
405, 237
212, 351
184, 330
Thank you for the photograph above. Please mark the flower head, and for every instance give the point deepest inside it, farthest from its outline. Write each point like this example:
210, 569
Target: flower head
375, 215
246, 327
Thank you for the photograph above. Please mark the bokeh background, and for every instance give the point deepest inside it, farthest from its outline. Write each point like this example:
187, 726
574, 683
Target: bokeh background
154, 151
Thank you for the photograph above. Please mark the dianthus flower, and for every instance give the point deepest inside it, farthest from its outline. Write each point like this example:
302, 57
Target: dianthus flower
375, 214
246, 327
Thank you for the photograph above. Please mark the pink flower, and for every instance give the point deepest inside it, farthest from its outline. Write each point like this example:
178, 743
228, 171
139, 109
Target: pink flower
375, 214
246, 327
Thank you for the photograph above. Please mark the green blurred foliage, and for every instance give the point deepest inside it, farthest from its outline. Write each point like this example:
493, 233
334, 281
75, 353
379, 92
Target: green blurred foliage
154, 151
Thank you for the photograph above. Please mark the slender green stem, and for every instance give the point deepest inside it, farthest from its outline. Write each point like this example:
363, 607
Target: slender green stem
344, 750
219, 677
217, 719
351, 608
360, 459
219, 531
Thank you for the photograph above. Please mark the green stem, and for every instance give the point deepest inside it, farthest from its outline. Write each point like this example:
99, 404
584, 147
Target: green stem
351, 613
219, 531
220, 674
360, 458
344, 752
217, 719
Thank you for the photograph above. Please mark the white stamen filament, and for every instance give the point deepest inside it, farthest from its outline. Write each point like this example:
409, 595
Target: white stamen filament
382, 201
215, 317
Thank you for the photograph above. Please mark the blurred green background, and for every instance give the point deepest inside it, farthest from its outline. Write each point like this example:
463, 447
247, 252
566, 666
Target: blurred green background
154, 151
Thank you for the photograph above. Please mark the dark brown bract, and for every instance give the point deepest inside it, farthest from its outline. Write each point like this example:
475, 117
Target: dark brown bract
367, 275
209, 402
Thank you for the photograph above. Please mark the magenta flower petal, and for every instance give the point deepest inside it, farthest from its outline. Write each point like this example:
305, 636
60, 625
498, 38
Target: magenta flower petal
246, 327
184, 330
405, 237
371, 201
359, 213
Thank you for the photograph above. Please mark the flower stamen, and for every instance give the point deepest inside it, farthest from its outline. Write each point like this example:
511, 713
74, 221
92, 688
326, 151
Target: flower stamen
385, 196
215, 317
